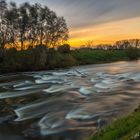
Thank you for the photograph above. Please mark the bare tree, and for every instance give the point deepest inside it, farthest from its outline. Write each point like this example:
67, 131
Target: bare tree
3, 24
89, 44
11, 16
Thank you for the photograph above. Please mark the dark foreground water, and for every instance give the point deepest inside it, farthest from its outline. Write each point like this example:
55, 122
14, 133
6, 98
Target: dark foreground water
67, 104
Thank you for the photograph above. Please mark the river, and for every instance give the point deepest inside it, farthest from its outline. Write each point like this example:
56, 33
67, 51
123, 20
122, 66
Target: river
68, 104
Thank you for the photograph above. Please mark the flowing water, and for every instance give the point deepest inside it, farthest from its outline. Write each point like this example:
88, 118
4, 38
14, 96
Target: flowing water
67, 104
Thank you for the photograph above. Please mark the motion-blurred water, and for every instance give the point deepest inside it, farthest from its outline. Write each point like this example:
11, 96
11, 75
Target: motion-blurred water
67, 104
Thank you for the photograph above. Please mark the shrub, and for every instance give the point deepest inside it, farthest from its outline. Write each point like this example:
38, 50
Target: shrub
60, 60
39, 55
64, 48
2, 54
132, 53
67, 61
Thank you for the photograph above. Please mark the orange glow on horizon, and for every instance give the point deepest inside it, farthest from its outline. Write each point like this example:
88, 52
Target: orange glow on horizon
107, 33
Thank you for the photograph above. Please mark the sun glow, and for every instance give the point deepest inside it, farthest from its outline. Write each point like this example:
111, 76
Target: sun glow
106, 33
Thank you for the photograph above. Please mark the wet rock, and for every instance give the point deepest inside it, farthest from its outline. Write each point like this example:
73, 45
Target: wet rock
31, 133
6, 119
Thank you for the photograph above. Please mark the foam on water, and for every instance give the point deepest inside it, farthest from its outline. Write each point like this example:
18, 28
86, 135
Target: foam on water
86, 90
13, 94
30, 111
57, 88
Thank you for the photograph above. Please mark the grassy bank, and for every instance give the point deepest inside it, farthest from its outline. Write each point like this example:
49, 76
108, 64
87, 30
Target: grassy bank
99, 56
43, 58
127, 128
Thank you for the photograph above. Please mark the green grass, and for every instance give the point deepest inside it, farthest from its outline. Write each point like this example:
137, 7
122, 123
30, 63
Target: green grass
122, 129
98, 56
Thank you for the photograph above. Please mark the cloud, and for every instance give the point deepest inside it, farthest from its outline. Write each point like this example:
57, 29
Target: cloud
80, 13
103, 21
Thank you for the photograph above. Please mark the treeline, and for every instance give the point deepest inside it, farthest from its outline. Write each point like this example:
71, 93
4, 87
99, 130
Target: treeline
44, 58
131, 47
29, 25
118, 45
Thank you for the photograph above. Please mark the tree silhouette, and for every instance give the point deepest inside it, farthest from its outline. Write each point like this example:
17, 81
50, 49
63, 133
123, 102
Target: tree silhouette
30, 24
3, 24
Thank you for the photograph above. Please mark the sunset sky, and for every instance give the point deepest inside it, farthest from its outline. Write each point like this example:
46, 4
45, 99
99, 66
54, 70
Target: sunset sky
103, 21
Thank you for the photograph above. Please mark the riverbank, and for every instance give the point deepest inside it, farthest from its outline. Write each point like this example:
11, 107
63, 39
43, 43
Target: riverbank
126, 128
40, 58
